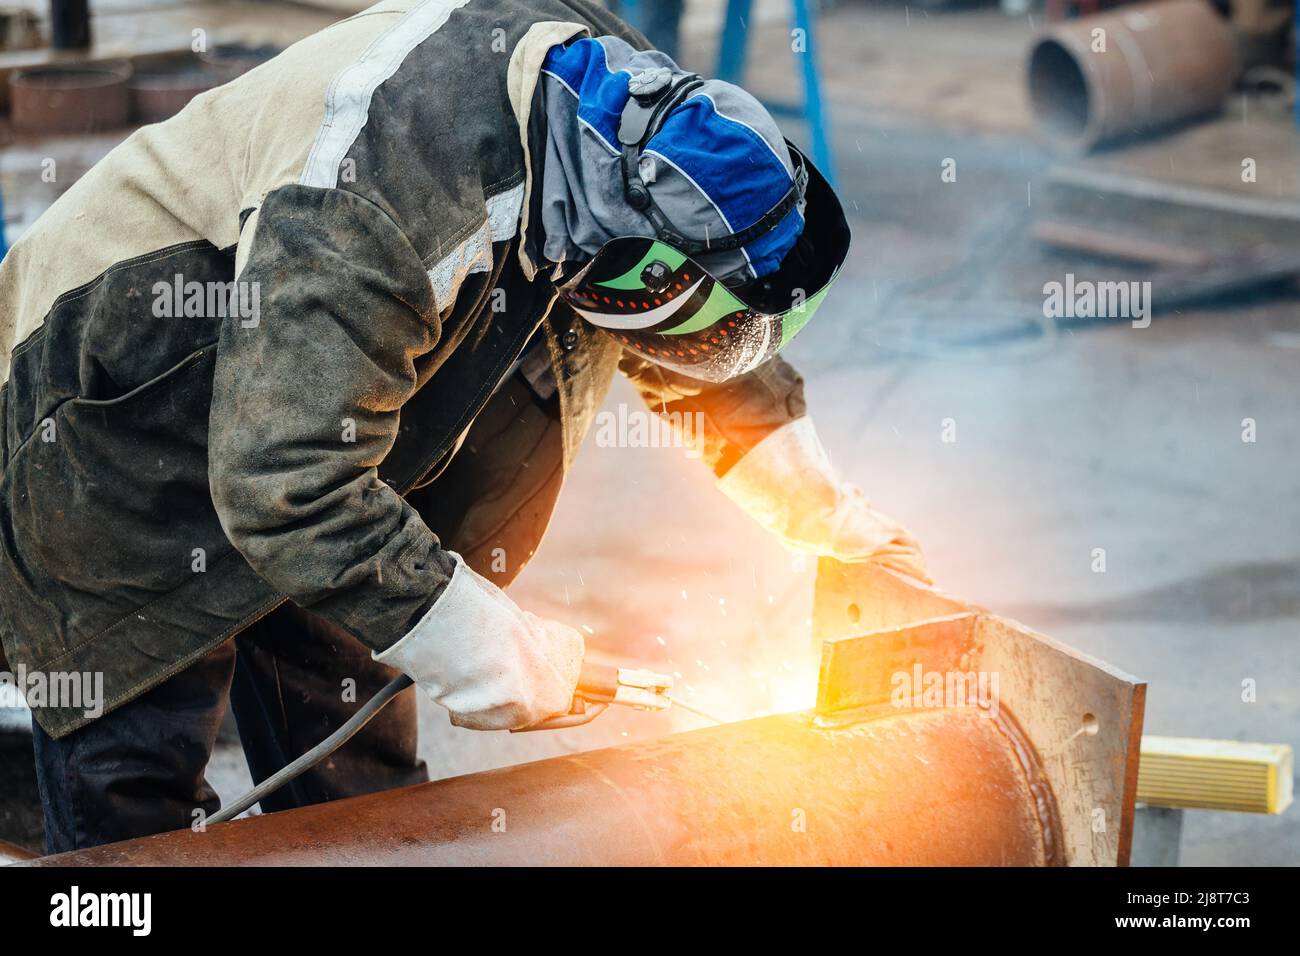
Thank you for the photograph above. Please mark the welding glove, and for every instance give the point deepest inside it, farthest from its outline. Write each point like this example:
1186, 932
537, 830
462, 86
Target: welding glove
491, 664
786, 484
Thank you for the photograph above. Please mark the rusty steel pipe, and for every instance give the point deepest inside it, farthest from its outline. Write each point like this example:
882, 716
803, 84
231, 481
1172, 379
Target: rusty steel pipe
1101, 78
70, 97
935, 788
9, 853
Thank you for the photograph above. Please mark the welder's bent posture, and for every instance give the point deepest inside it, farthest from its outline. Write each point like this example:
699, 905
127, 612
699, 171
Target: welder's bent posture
447, 223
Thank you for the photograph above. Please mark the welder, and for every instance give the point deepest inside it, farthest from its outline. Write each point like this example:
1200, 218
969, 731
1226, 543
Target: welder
436, 230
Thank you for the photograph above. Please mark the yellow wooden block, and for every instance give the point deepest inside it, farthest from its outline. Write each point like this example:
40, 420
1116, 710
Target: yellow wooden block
1201, 774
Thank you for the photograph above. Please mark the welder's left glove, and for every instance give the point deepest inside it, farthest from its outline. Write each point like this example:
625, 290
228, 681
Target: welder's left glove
786, 483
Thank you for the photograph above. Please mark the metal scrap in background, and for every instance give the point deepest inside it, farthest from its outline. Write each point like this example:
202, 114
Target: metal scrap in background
1138, 68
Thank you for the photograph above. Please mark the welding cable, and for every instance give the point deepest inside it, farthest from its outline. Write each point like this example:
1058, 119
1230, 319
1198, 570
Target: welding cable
318, 753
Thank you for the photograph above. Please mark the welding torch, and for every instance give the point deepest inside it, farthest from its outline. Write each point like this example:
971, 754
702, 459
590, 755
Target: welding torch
600, 685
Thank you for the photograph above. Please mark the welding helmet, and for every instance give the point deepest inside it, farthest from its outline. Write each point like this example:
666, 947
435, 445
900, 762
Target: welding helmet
703, 305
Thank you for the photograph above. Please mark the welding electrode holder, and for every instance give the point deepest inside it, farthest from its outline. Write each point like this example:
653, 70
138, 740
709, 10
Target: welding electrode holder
600, 685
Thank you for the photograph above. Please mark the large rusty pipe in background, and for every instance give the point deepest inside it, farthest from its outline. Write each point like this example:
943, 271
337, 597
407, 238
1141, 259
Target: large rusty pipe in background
1141, 67
947, 787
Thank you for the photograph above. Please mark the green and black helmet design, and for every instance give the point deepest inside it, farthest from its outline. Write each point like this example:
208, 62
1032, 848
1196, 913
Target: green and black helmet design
661, 304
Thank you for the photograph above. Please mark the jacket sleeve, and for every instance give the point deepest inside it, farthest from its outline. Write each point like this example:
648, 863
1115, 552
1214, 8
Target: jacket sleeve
305, 405
737, 414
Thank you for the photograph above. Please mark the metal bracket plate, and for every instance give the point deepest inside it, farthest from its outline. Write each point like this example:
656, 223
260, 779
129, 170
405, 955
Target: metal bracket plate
1082, 716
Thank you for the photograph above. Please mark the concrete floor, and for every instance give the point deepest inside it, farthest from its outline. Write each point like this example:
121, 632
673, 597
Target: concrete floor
1094, 436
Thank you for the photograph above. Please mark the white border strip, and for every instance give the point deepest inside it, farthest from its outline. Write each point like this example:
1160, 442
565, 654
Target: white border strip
741, 123
681, 172
475, 253
637, 320
347, 101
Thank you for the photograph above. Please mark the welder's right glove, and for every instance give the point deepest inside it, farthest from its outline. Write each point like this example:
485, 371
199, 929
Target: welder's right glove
491, 664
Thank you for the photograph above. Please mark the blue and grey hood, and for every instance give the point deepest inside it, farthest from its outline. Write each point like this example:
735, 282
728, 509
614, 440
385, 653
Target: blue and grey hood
687, 226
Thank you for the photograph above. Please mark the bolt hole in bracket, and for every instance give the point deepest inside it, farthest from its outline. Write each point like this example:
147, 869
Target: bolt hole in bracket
890, 643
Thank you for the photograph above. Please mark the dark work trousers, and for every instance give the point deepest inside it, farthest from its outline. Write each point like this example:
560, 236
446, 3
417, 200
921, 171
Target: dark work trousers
293, 678
140, 769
